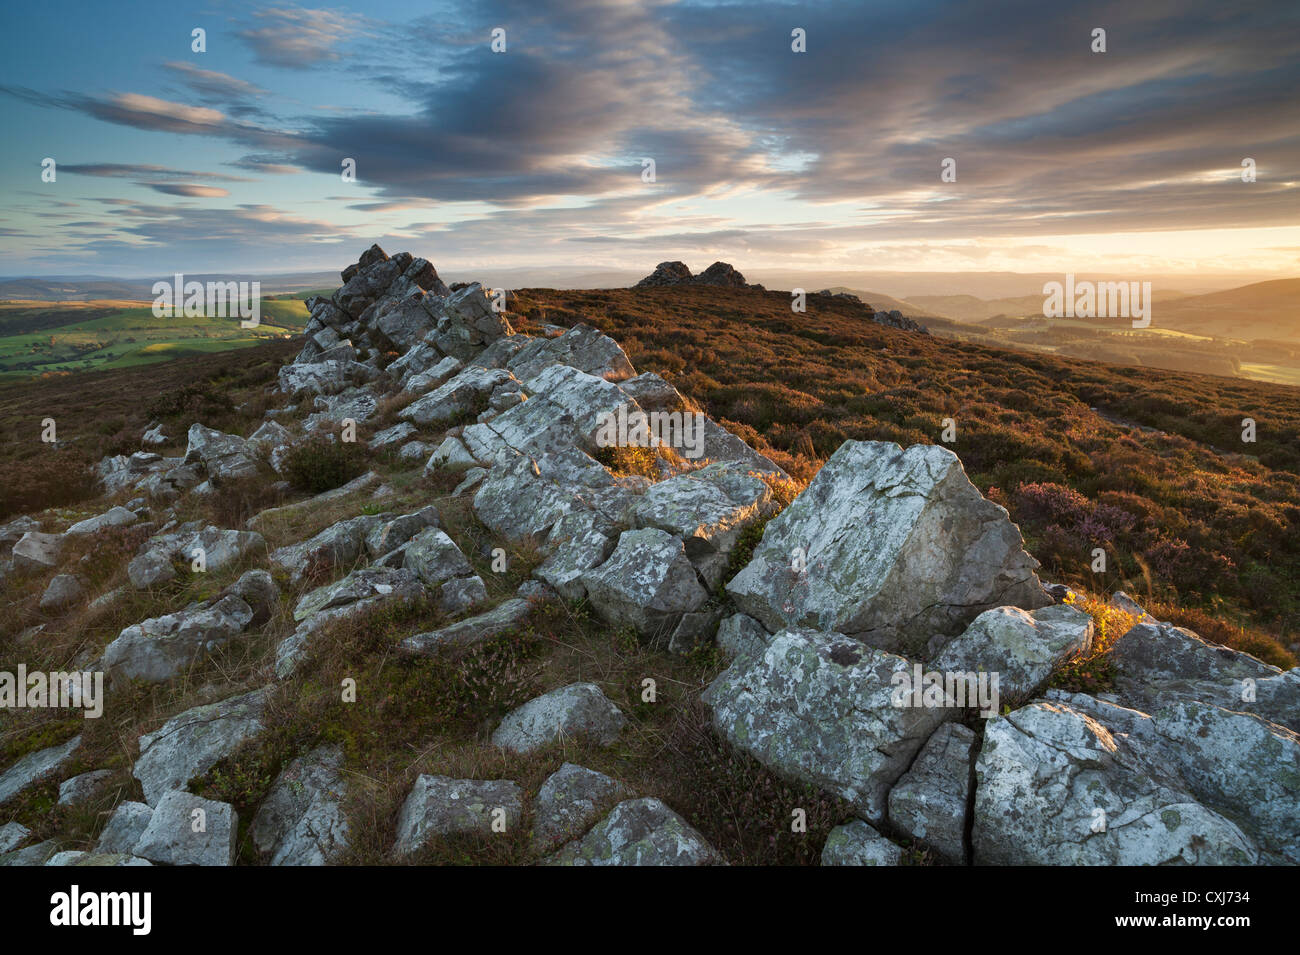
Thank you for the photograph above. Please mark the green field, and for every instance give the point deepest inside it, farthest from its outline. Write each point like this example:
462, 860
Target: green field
46, 337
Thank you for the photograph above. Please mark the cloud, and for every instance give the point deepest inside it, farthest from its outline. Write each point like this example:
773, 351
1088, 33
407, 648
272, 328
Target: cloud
297, 38
134, 170
149, 112
210, 83
186, 189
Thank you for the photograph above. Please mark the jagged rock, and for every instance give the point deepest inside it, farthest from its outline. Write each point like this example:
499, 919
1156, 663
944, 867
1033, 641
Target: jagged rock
1122, 601
571, 800
154, 434
580, 709
896, 319
720, 274
856, 843
12, 532
1080, 795
415, 451
157, 649
820, 708
666, 273
1156, 664
639, 832
502, 618
366, 285
708, 509
301, 821
1022, 648
739, 635
442, 806
355, 404
63, 591
124, 828
257, 589
653, 393
720, 445
117, 472
464, 394
355, 594
36, 766
225, 456
895, 548
434, 558
113, 517
523, 498
647, 582
423, 274
192, 742
12, 835
357, 586
323, 377
338, 545
391, 533
83, 788
405, 324
582, 347
466, 323
219, 548
171, 839
390, 438
36, 551
577, 546
31, 855
930, 802
433, 377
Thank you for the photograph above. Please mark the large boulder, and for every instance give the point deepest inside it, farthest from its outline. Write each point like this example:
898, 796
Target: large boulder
503, 618
571, 800
1056, 787
894, 548
185, 829
466, 323
465, 394
857, 844
666, 273
1156, 664
821, 708
37, 551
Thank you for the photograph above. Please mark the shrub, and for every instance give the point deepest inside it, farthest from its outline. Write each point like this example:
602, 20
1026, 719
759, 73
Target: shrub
320, 465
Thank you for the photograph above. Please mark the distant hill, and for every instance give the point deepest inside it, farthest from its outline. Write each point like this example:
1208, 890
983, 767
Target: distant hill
1261, 310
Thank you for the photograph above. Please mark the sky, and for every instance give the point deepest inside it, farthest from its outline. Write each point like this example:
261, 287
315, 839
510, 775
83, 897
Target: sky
231, 159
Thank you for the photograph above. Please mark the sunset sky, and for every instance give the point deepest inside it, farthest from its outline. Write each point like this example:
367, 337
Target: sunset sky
1067, 160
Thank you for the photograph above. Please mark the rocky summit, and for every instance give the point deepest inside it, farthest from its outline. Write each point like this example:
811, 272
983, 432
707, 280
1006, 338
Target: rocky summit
473, 588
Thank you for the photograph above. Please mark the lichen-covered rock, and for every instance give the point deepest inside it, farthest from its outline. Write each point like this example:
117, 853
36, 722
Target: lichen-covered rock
820, 708
192, 742
581, 347
1156, 664
12, 835
36, 766
442, 806
185, 829
580, 709
159, 648
224, 456
931, 801
739, 635
37, 551
1056, 787
1021, 648
301, 821
648, 583
113, 517
124, 828
63, 591
856, 843
434, 557
895, 548
639, 832
570, 802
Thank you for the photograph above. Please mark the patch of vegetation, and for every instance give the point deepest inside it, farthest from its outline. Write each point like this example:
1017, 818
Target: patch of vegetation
319, 464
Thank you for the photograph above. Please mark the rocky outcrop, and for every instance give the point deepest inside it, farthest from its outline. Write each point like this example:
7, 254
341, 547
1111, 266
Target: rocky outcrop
676, 273
892, 547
